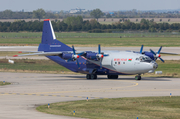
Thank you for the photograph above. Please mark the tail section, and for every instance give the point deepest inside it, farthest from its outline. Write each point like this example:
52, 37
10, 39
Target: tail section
49, 43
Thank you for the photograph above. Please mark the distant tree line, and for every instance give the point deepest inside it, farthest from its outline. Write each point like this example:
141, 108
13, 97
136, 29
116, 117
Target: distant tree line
96, 13
77, 24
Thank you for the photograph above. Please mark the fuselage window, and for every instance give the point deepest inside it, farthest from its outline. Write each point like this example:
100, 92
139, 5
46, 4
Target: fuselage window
115, 62
123, 62
118, 62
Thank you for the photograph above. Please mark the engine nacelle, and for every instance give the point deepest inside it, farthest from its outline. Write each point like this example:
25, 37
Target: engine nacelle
149, 54
66, 56
91, 56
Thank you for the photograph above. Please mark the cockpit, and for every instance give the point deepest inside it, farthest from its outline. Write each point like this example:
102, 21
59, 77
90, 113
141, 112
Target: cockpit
144, 59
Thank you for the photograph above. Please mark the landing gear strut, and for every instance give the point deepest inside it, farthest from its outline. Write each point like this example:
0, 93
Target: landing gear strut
112, 76
138, 77
91, 76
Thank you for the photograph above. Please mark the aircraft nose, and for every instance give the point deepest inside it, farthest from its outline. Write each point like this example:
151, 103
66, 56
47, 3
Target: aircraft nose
155, 65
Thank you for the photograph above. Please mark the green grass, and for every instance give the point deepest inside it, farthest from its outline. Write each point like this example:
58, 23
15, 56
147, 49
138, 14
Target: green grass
123, 41
155, 41
170, 67
8, 53
92, 39
120, 108
4, 83
32, 66
20, 41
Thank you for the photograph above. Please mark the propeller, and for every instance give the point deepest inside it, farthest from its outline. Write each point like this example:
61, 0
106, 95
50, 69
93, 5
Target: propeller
99, 55
74, 57
141, 49
158, 54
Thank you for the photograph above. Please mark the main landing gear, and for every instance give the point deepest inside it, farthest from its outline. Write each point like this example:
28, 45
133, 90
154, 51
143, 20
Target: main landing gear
112, 76
91, 76
138, 77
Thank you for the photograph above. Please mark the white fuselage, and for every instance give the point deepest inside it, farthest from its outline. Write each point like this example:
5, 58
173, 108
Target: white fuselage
128, 62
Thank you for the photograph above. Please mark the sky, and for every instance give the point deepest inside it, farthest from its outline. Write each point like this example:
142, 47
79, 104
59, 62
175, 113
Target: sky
104, 5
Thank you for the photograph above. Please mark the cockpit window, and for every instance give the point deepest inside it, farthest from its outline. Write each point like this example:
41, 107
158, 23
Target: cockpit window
144, 59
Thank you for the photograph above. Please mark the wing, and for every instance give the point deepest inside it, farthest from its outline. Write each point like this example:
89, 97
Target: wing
168, 53
42, 53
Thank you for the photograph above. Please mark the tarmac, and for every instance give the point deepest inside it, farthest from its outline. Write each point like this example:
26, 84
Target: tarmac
29, 90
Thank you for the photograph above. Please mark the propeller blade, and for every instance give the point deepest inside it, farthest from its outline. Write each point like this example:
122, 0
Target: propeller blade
73, 50
99, 49
141, 49
153, 52
159, 50
81, 53
77, 63
101, 63
161, 59
105, 55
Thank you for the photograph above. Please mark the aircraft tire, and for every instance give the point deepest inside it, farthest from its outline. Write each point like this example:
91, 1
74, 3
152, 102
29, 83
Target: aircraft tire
138, 77
115, 76
88, 76
93, 76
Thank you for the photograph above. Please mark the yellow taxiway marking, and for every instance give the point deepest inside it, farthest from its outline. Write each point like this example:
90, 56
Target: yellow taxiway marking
51, 95
92, 90
5, 94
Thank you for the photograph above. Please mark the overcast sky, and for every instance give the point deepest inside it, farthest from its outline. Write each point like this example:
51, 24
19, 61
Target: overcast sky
105, 5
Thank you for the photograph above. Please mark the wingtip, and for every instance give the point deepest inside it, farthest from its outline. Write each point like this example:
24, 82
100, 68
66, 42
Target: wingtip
15, 55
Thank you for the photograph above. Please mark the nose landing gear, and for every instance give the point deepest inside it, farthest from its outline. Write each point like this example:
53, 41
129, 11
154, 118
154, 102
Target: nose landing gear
138, 77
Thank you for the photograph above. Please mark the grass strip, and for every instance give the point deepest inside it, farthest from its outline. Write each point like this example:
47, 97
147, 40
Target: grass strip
31, 65
4, 83
128, 41
118, 108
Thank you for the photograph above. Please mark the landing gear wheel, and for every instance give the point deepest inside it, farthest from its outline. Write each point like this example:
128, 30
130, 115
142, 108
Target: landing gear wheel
91, 76
112, 76
138, 77
88, 76
95, 76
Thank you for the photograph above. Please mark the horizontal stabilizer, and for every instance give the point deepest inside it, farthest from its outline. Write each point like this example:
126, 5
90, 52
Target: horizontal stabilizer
40, 54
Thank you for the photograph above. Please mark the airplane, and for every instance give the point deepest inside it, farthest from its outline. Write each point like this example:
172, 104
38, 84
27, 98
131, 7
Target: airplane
93, 63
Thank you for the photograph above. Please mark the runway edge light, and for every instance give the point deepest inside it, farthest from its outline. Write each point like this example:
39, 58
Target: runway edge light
74, 113
87, 98
3, 82
170, 95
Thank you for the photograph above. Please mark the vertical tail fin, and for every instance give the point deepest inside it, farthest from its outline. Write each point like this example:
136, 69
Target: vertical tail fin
49, 41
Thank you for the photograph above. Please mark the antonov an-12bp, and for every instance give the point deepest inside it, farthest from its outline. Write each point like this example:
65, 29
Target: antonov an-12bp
92, 63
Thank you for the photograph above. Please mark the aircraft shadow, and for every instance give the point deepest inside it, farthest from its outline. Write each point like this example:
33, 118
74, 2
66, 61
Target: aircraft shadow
78, 77
145, 79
